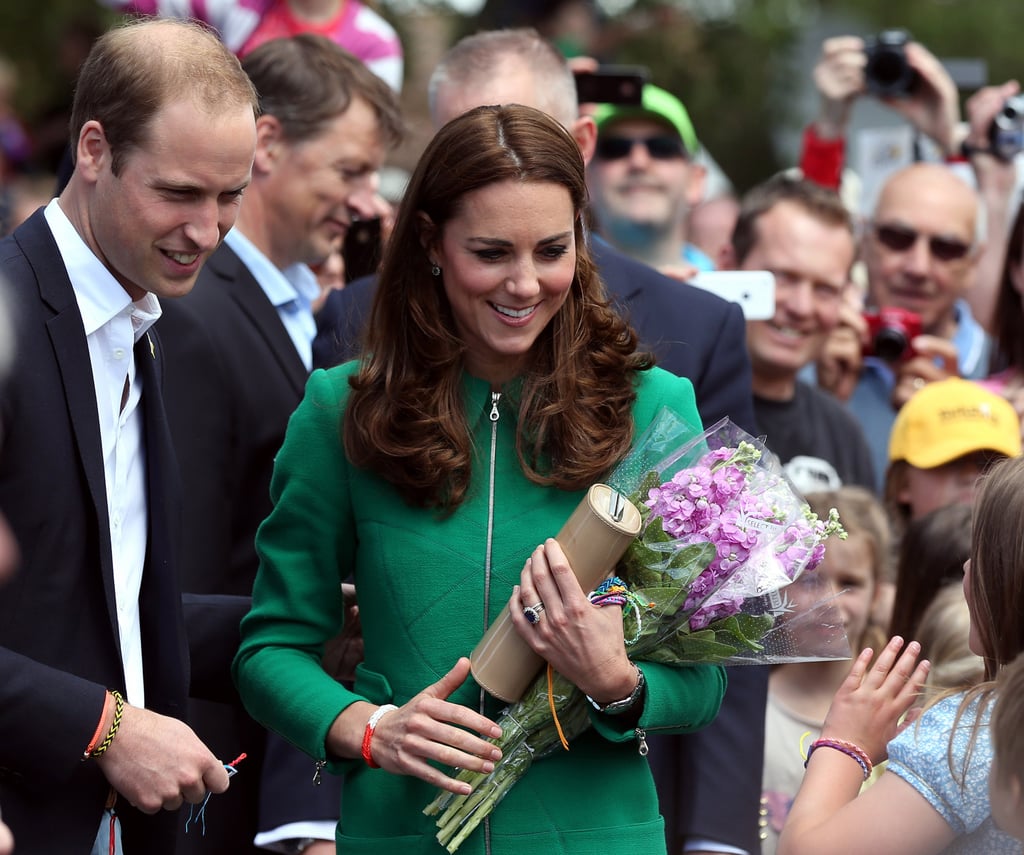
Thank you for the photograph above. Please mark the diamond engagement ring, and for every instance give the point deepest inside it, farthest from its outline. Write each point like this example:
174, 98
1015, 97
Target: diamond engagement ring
532, 613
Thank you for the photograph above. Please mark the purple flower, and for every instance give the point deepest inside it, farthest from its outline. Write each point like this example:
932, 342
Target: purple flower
741, 508
714, 611
726, 483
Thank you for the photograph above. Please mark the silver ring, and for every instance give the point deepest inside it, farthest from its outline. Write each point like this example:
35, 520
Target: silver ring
532, 613
919, 383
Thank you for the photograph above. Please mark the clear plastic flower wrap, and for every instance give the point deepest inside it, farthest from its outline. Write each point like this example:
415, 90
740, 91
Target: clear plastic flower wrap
725, 555
721, 573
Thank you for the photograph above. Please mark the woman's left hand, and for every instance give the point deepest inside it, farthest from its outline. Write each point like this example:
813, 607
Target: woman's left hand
581, 641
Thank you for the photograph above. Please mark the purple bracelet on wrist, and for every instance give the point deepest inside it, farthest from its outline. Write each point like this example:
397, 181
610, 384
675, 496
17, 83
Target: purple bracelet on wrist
847, 748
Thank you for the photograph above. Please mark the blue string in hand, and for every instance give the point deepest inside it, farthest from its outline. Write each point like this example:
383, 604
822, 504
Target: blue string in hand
199, 815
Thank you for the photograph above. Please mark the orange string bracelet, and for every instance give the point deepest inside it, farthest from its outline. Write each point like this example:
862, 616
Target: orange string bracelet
108, 699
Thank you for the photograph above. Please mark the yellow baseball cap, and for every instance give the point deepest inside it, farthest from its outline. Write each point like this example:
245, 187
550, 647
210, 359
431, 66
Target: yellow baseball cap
950, 419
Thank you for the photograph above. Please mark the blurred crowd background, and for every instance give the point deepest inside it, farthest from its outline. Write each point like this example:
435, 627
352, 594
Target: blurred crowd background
742, 67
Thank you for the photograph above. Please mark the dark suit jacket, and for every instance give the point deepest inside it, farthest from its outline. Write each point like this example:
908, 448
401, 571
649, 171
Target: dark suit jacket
709, 783
233, 380
59, 646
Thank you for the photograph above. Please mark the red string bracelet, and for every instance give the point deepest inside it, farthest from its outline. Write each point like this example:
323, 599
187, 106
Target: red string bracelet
371, 726
107, 701
847, 748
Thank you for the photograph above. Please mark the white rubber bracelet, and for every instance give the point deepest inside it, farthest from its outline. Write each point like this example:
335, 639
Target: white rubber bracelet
378, 714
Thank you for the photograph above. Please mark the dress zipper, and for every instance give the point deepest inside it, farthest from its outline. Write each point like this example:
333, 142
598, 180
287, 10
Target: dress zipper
494, 416
641, 738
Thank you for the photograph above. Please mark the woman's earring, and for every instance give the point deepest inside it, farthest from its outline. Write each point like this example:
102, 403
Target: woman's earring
435, 270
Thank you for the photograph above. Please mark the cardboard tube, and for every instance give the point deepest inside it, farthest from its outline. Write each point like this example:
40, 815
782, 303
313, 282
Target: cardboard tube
593, 539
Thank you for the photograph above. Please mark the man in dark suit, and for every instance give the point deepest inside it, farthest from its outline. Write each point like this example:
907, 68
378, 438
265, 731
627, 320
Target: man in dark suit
239, 347
94, 666
709, 782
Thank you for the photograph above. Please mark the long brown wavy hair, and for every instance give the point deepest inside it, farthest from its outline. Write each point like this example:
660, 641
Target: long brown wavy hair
406, 418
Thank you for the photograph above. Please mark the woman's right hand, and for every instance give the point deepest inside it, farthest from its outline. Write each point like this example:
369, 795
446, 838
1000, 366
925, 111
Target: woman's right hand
427, 728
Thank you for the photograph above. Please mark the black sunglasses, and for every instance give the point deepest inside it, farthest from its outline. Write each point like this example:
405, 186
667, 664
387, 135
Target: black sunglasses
659, 148
901, 238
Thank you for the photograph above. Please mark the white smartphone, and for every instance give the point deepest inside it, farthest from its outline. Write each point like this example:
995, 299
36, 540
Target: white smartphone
754, 290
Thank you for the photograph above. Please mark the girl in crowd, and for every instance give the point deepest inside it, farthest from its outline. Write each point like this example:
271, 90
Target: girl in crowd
799, 693
933, 795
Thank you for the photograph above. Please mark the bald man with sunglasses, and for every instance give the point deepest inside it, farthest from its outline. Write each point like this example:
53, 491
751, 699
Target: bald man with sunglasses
921, 250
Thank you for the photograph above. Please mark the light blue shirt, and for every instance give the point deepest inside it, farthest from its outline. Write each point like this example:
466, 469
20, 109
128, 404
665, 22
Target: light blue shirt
920, 756
698, 258
291, 291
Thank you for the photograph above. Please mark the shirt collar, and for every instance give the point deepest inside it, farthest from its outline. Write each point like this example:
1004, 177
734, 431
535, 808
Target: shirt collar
969, 338
101, 298
294, 283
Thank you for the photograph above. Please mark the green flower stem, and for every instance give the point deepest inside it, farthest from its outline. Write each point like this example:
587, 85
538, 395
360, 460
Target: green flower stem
528, 733
461, 825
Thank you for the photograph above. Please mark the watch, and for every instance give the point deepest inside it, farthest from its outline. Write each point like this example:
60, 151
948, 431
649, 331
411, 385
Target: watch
616, 707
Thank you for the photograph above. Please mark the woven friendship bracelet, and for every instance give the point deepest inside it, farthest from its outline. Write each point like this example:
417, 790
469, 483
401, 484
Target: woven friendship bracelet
847, 748
371, 726
114, 726
614, 592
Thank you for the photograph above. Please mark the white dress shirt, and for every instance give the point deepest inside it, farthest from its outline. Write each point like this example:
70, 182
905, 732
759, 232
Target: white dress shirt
113, 324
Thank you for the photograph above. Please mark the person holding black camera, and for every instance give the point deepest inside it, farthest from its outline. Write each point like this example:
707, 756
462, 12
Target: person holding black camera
909, 79
902, 74
995, 133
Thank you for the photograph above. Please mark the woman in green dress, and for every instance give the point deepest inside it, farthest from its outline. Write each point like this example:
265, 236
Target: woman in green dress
496, 385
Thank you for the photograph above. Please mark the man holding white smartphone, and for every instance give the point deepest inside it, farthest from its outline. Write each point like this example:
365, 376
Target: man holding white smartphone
802, 234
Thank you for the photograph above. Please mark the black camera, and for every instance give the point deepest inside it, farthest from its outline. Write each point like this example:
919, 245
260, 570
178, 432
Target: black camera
1006, 133
887, 73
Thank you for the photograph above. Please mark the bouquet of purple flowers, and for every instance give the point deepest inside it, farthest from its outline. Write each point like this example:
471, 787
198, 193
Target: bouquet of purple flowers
722, 572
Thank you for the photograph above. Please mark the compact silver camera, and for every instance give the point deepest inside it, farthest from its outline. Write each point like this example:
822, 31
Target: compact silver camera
1006, 133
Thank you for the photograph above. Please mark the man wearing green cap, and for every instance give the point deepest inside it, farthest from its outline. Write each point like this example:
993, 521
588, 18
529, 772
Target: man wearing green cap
644, 180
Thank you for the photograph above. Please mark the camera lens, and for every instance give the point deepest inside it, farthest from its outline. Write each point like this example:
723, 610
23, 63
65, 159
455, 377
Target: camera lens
887, 72
890, 344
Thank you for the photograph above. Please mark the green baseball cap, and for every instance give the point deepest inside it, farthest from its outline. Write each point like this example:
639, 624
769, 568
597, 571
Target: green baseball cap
657, 104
